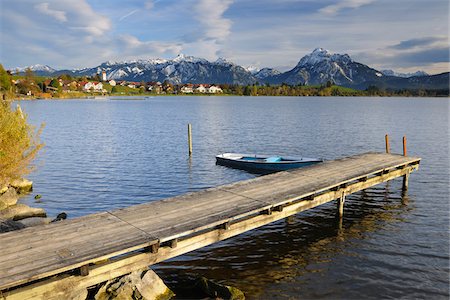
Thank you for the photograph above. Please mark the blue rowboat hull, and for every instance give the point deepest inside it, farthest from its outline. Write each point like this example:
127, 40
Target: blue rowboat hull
263, 163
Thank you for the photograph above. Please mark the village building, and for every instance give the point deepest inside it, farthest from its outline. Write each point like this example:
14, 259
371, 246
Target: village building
187, 89
155, 87
92, 86
214, 90
200, 89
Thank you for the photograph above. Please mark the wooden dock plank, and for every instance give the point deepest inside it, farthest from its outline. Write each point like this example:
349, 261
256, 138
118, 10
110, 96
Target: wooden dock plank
39, 252
100, 236
189, 213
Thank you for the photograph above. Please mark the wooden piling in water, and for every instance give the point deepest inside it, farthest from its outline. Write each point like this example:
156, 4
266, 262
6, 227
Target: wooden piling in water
406, 176
340, 205
404, 145
405, 182
190, 139
386, 138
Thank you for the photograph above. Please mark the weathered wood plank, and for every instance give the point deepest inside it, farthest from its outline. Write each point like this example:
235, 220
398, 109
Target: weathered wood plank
61, 253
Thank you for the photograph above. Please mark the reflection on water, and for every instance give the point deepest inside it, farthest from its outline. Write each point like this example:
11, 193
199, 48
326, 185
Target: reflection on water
101, 155
278, 259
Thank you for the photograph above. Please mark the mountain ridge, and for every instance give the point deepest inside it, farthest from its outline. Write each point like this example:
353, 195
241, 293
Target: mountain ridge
316, 68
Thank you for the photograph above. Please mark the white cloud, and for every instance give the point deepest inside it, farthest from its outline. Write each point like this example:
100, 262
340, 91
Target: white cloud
131, 47
210, 14
57, 14
215, 28
342, 4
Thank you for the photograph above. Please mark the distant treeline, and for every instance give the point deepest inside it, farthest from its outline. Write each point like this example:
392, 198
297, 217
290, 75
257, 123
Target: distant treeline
328, 89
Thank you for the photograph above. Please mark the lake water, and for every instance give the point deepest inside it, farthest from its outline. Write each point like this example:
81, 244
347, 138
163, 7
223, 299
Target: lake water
103, 154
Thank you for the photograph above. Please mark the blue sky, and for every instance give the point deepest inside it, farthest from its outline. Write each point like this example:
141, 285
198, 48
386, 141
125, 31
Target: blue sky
404, 35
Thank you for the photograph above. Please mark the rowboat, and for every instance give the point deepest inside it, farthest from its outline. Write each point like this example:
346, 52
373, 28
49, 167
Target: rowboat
263, 163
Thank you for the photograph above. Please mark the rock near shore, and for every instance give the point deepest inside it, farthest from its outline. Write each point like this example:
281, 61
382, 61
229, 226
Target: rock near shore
138, 285
219, 291
8, 198
21, 211
22, 185
11, 212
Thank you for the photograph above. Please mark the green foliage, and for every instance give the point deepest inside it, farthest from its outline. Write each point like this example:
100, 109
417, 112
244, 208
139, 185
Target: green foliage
65, 77
27, 83
108, 88
54, 83
124, 90
5, 80
19, 144
297, 90
29, 75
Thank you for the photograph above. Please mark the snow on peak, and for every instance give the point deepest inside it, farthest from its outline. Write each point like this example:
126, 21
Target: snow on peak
319, 55
266, 72
320, 51
186, 58
404, 75
252, 69
222, 61
36, 68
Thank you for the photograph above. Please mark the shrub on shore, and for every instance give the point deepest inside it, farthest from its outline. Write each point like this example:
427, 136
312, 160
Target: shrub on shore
19, 144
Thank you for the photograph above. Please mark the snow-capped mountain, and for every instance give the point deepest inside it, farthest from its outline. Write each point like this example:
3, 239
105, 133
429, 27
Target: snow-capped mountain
404, 75
37, 69
321, 66
265, 73
316, 68
182, 69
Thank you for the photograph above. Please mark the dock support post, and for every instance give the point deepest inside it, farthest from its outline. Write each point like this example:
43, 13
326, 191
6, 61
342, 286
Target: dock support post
340, 205
190, 139
386, 138
83, 270
405, 182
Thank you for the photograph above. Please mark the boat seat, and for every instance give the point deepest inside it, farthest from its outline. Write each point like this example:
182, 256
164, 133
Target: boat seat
273, 159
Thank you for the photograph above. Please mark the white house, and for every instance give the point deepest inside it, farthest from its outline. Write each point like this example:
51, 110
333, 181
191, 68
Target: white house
187, 89
200, 89
214, 89
93, 86
112, 82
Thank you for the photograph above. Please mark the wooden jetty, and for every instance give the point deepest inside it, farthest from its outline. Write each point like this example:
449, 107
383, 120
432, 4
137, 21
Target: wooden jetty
47, 262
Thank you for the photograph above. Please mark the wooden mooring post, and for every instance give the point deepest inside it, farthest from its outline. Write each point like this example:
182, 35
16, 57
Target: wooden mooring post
386, 138
406, 176
190, 139
404, 146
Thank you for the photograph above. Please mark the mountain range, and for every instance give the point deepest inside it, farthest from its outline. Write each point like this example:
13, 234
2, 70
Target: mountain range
316, 68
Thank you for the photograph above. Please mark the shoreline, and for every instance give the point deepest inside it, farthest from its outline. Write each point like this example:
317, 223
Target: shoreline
90, 97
